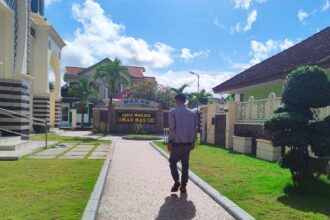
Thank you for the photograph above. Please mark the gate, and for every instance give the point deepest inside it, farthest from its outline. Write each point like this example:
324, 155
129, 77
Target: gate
220, 130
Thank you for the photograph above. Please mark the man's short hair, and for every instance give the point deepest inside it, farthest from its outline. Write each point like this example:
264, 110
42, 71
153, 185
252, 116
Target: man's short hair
181, 98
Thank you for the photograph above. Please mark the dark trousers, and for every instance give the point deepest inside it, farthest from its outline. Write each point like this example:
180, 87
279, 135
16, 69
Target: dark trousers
180, 152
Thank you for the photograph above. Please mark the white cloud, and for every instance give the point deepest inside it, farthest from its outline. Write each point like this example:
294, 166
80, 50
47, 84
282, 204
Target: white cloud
49, 2
187, 55
250, 20
252, 17
217, 23
302, 15
100, 37
326, 5
244, 4
208, 79
261, 51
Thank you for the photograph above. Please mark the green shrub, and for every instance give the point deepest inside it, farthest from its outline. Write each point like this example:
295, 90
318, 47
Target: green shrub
305, 88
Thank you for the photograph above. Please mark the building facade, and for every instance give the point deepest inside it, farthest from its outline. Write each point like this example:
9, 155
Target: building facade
72, 75
258, 92
29, 48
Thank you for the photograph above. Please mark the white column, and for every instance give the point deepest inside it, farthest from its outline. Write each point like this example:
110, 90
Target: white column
74, 119
237, 97
22, 40
230, 122
40, 63
6, 41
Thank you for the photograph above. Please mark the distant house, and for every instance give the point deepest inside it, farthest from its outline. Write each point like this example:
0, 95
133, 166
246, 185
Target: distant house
268, 76
72, 75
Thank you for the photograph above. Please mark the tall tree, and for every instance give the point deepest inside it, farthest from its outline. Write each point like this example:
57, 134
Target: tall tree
85, 92
112, 74
180, 89
151, 91
195, 97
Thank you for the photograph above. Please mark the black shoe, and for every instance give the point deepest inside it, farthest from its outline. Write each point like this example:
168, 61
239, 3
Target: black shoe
175, 187
183, 189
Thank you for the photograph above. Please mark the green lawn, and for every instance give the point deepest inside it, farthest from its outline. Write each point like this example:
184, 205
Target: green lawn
261, 188
48, 189
83, 140
142, 137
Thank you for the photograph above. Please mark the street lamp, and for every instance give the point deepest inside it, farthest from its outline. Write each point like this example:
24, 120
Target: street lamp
196, 74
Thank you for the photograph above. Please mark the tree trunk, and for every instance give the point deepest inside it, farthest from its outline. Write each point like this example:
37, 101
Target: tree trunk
110, 102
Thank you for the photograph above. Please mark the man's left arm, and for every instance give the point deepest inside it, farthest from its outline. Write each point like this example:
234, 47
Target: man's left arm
195, 130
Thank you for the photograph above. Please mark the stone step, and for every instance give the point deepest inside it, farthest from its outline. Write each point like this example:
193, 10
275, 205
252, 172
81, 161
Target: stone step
11, 143
23, 149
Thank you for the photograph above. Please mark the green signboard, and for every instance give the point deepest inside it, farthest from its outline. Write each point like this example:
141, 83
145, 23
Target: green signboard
135, 117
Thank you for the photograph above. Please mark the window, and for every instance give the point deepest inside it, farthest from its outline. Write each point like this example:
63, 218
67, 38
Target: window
65, 114
106, 92
121, 87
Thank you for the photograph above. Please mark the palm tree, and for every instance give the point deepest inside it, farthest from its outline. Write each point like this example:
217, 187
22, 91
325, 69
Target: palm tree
51, 86
180, 89
111, 74
85, 92
195, 97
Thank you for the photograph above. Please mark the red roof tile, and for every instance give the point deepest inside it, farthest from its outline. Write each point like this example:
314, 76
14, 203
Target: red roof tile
136, 71
123, 95
72, 70
150, 79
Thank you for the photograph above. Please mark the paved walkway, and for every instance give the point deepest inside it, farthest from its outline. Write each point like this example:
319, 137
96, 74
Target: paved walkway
67, 151
138, 187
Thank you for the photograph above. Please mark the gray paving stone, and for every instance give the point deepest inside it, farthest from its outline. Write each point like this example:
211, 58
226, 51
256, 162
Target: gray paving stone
42, 157
102, 149
85, 145
81, 149
74, 153
52, 152
97, 157
138, 187
72, 157
99, 153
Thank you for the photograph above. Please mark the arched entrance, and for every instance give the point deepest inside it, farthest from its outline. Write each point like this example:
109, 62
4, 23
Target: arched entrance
55, 95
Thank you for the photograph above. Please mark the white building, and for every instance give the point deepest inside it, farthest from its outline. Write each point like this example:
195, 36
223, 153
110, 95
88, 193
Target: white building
29, 48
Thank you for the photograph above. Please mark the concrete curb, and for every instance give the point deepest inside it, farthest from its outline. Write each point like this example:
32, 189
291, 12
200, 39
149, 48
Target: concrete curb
227, 204
93, 204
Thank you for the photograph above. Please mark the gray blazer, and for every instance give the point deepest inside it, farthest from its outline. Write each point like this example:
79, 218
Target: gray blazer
182, 125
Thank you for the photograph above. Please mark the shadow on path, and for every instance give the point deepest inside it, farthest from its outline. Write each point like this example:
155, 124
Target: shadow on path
177, 208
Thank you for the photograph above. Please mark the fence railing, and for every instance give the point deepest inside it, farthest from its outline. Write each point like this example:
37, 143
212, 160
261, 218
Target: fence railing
36, 121
257, 111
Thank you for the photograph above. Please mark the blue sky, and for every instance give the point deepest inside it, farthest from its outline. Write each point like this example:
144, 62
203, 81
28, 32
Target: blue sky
215, 38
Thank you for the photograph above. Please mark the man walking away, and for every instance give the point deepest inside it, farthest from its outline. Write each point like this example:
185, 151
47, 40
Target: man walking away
182, 137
